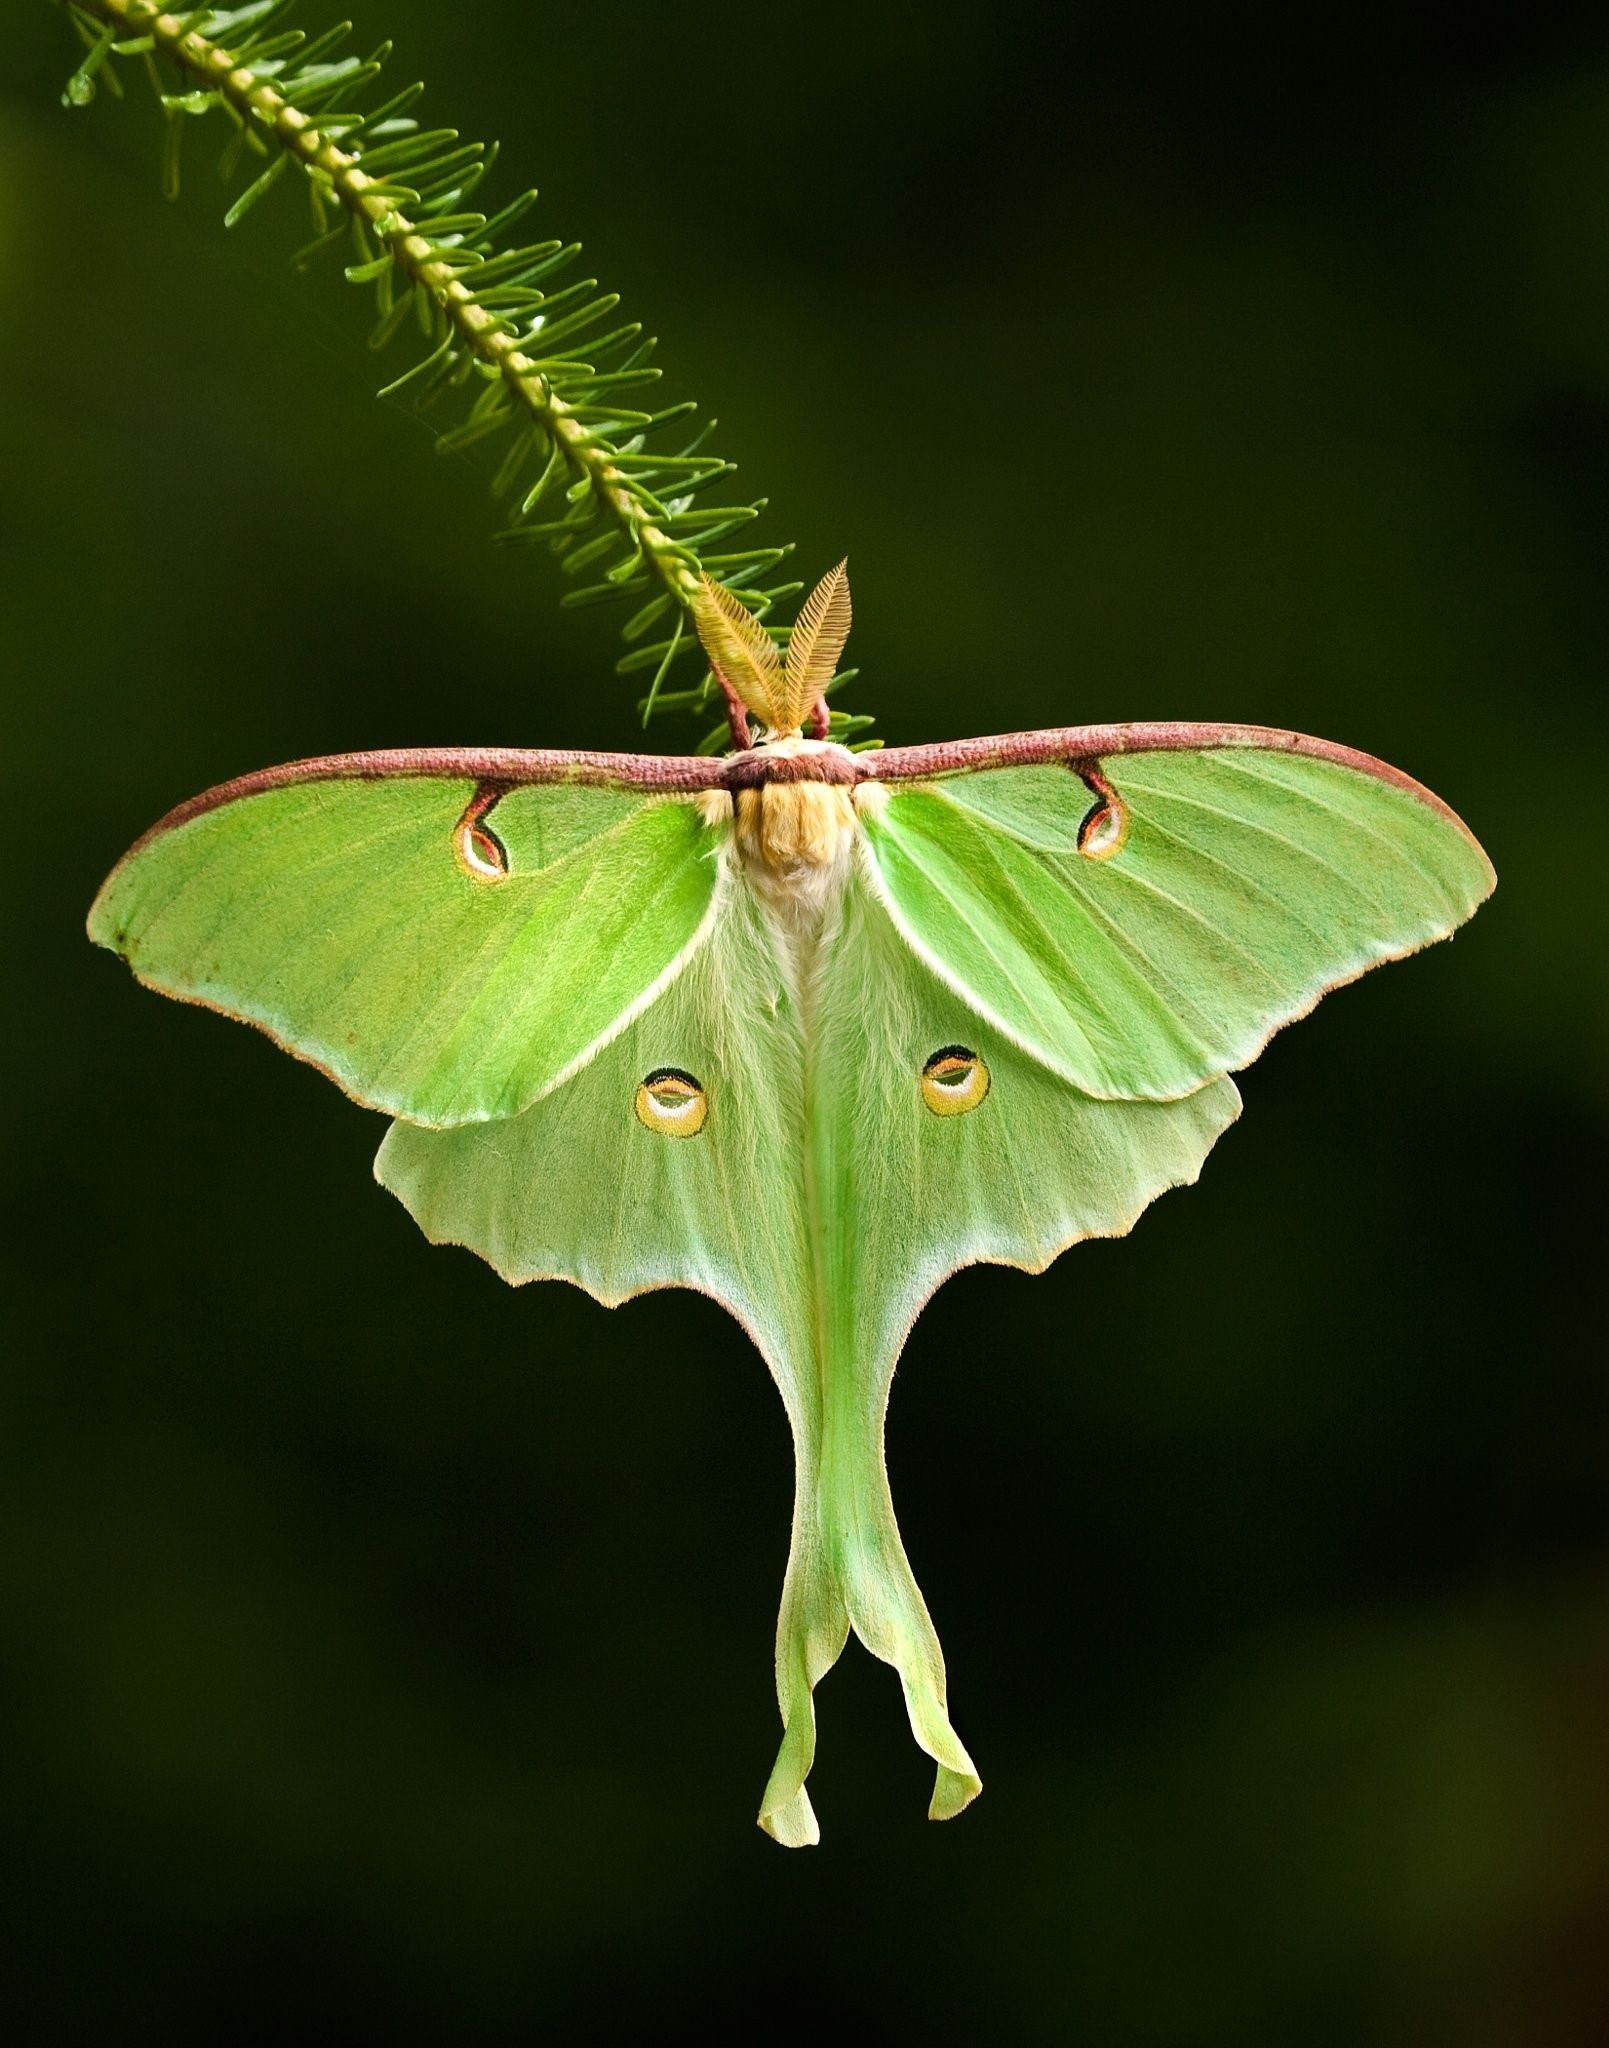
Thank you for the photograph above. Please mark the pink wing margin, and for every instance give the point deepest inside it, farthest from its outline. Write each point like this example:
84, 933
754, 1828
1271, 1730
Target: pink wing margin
501, 768
1086, 746
1077, 746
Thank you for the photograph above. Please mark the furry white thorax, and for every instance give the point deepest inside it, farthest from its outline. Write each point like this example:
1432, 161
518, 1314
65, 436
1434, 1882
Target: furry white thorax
795, 844
794, 841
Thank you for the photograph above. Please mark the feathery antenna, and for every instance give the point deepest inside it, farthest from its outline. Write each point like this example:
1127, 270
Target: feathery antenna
816, 644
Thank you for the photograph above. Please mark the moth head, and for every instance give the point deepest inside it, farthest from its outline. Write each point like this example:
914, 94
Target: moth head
780, 690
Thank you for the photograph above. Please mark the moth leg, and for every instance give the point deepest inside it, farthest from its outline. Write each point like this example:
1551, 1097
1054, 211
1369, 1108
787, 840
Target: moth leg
737, 715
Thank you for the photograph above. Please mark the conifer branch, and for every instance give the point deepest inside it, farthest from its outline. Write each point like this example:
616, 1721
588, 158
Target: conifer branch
491, 314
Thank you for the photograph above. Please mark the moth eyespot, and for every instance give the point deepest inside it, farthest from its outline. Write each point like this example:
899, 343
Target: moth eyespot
1105, 825
954, 1080
483, 853
479, 850
672, 1103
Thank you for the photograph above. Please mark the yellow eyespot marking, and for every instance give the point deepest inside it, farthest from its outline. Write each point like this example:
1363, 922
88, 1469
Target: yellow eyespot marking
1105, 826
954, 1080
672, 1103
479, 850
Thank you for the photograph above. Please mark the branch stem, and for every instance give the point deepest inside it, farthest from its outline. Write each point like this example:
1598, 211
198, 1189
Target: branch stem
276, 121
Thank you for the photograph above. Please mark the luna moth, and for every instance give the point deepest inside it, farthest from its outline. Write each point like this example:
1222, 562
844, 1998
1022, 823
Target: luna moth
804, 1029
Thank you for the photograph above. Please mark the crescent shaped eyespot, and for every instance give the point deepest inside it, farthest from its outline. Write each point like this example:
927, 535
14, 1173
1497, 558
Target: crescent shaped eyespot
479, 850
954, 1080
483, 853
671, 1102
1105, 825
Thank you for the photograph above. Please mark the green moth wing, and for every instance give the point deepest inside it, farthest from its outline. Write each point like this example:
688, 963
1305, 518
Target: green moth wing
818, 1151
1142, 907
802, 1030
445, 944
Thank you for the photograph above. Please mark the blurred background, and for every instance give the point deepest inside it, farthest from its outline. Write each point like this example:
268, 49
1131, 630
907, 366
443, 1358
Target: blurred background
387, 1654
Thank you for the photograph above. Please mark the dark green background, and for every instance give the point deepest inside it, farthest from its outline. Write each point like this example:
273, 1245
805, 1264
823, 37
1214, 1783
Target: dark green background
387, 1653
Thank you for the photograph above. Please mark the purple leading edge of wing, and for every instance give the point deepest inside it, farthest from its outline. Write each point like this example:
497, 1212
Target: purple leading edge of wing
1088, 745
494, 767
686, 774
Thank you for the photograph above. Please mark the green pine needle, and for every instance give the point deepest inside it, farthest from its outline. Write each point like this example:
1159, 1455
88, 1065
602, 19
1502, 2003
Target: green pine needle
546, 378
